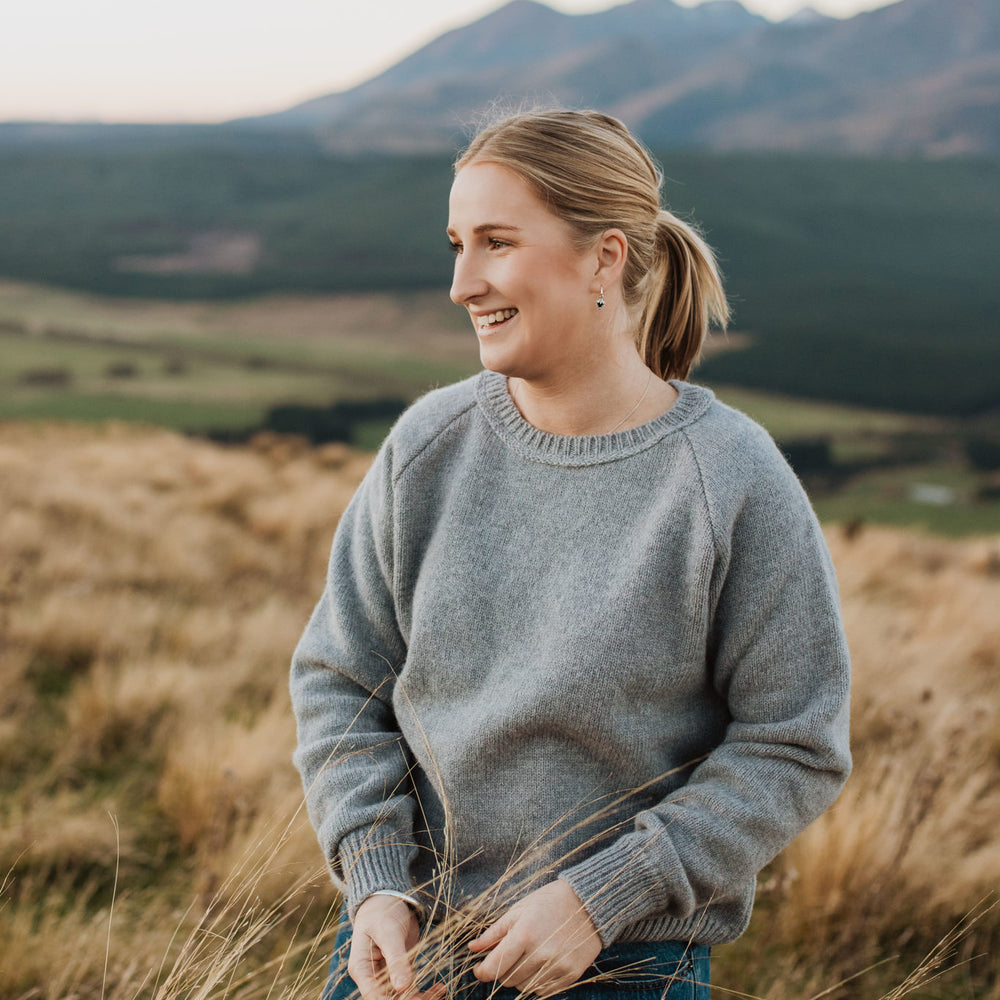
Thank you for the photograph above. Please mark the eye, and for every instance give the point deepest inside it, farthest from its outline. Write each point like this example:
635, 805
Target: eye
454, 247
498, 244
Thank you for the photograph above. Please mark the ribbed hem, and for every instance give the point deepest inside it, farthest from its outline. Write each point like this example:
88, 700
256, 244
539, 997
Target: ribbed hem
556, 449
701, 929
371, 864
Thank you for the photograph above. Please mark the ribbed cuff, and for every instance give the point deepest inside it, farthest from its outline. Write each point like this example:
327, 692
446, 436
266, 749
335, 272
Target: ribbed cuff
371, 864
617, 887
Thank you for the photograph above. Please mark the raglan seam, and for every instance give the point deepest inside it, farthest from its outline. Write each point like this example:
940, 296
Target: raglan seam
704, 490
398, 474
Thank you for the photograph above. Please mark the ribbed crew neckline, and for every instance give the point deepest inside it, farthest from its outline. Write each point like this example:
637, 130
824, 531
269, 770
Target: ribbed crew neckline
586, 449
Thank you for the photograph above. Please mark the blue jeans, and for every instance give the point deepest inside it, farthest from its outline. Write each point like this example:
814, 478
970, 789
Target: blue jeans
633, 970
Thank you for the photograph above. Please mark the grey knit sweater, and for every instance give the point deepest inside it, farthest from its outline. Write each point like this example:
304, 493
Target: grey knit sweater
617, 660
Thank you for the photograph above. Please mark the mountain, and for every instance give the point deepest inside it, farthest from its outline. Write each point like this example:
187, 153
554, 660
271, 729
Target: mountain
524, 51
807, 16
916, 77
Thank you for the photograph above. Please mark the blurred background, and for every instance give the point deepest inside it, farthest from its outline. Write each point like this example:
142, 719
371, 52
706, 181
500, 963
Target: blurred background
223, 274
171, 257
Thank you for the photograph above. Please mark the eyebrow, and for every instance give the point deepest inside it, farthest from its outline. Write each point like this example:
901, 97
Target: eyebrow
486, 227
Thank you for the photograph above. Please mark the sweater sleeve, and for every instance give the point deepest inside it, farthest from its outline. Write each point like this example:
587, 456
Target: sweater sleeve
354, 763
777, 654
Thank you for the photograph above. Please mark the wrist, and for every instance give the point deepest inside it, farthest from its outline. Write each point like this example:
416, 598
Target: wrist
414, 905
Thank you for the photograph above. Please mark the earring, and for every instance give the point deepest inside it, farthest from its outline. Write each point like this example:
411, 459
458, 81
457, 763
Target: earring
600, 300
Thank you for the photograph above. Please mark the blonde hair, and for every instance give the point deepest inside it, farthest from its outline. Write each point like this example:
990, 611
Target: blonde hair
595, 175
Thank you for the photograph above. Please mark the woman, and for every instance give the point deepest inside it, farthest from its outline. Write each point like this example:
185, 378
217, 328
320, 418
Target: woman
578, 672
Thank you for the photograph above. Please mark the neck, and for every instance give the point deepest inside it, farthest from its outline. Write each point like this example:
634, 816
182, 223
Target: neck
616, 398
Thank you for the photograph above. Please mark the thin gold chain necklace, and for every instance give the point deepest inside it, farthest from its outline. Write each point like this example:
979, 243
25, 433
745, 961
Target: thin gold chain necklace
638, 402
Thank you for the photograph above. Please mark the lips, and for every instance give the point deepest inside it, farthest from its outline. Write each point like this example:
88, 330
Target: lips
494, 319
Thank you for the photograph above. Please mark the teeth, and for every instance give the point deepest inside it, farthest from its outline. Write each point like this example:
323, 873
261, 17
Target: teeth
496, 317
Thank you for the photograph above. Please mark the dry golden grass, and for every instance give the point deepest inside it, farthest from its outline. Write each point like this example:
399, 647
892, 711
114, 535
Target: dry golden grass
911, 846
151, 591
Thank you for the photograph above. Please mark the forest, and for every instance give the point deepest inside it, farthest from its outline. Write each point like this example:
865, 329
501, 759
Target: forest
857, 280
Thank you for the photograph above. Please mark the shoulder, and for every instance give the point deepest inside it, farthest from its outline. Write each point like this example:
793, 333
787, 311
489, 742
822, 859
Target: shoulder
729, 443
741, 468
428, 419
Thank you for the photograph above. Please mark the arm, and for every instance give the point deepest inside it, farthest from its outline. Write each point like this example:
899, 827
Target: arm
353, 760
777, 653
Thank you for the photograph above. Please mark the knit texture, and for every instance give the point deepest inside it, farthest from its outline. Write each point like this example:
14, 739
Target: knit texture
616, 660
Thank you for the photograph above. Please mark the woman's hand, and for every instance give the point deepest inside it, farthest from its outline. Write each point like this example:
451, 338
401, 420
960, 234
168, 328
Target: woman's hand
384, 936
541, 945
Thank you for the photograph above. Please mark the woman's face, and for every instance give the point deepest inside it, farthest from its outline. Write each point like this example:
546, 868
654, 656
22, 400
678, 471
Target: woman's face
526, 287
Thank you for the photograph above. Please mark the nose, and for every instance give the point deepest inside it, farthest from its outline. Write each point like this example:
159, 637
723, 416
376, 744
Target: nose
468, 282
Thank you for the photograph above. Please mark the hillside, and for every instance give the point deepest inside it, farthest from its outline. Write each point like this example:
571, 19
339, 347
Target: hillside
915, 77
152, 590
860, 281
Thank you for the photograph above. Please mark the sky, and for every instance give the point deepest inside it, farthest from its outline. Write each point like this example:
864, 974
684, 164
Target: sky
209, 60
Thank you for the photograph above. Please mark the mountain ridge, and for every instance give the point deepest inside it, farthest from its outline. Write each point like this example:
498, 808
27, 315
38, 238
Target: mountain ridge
913, 78
917, 77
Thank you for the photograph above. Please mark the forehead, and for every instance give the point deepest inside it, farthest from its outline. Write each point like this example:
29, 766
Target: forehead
486, 191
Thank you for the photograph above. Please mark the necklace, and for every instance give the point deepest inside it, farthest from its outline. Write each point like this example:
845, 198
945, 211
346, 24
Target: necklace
638, 402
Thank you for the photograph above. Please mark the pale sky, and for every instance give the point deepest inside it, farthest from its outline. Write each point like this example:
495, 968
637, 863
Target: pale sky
208, 60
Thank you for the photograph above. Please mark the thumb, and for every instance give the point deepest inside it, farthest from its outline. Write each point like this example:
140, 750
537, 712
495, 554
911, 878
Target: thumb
492, 936
401, 975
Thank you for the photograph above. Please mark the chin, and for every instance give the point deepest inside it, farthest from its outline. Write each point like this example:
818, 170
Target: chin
494, 361
492, 366
512, 358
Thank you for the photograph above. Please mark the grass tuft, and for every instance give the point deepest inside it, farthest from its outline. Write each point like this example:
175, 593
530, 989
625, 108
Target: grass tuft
145, 632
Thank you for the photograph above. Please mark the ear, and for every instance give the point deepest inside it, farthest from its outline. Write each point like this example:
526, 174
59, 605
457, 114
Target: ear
610, 254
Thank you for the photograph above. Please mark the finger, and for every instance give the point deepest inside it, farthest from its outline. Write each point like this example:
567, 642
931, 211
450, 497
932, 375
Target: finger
400, 973
543, 982
491, 937
526, 976
534, 986
391, 941
497, 966
547, 988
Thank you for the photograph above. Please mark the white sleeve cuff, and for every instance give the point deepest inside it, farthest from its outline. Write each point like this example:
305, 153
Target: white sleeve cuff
402, 896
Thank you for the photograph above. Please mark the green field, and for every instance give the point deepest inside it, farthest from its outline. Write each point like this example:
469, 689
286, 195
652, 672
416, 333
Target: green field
887, 498
218, 367
211, 366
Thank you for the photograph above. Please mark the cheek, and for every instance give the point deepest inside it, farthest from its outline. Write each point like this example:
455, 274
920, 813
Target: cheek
554, 279
571, 273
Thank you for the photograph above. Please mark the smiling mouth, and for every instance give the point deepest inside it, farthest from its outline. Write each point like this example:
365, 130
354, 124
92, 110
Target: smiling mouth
492, 320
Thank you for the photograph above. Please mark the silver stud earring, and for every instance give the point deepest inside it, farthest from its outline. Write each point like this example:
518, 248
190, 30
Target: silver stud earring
600, 299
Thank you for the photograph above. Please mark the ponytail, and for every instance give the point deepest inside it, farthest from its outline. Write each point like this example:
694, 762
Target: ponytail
684, 294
